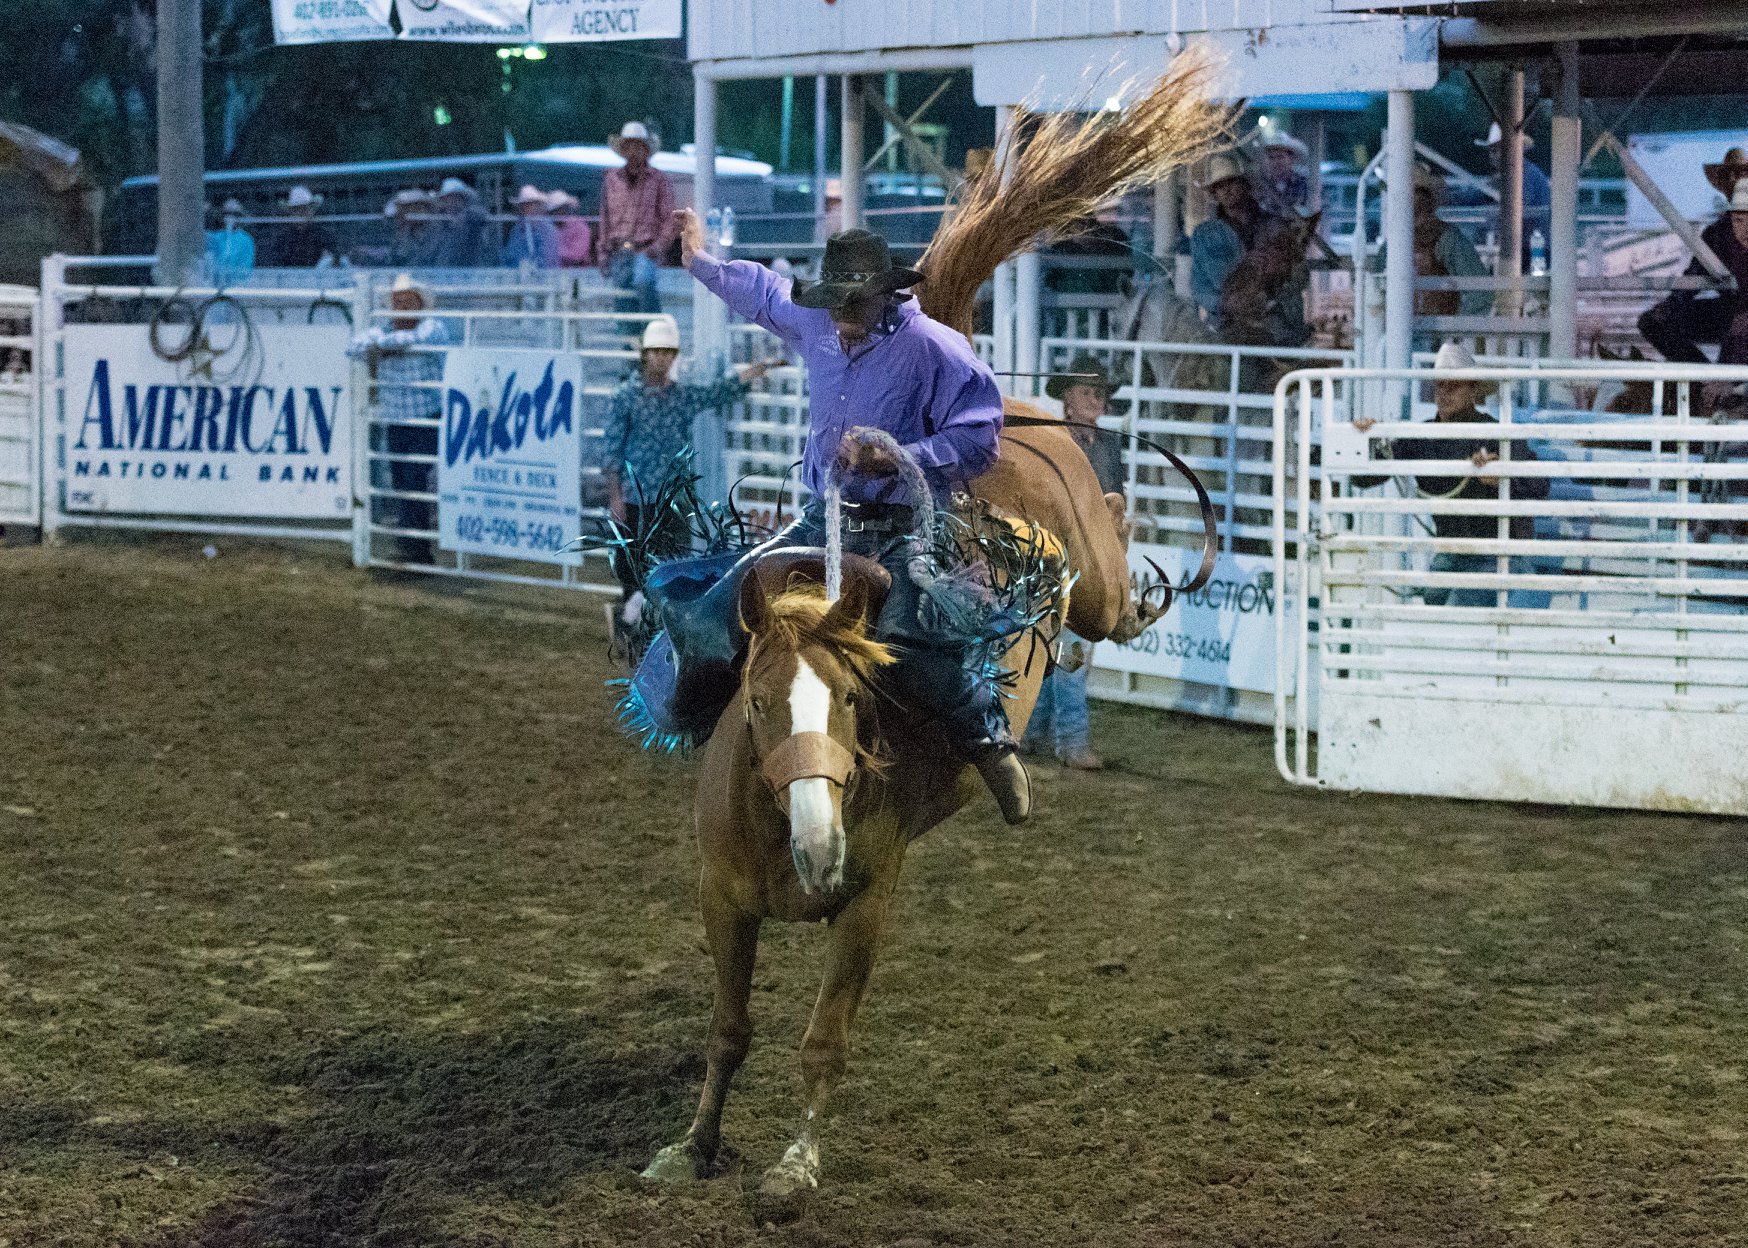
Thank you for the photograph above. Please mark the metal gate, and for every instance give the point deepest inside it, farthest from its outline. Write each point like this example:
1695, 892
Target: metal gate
20, 455
1573, 630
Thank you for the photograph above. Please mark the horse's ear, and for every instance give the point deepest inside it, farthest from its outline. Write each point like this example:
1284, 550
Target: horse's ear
1312, 222
851, 608
755, 607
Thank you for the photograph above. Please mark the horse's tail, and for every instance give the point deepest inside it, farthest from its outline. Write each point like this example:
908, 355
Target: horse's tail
1068, 166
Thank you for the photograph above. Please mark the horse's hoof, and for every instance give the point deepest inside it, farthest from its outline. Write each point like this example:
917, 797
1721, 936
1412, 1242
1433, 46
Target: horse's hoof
677, 1163
798, 1172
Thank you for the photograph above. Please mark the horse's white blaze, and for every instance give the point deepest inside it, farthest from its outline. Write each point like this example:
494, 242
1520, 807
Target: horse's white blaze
814, 834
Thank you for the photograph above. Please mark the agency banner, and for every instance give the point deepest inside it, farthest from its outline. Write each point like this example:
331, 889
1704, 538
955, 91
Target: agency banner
328, 21
465, 21
583, 21
146, 436
1223, 634
509, 467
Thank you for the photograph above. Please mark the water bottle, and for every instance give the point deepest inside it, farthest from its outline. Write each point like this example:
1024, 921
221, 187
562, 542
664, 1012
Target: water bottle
712, 225
1538, 254
726, 236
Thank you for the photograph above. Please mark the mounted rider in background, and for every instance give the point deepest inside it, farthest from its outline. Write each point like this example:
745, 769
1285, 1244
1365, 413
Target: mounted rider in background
875, 361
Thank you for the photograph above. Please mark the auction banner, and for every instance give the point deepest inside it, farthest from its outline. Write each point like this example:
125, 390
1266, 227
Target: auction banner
148, 435
510, 468
579, 21
328, 21
465, 21
1223, 634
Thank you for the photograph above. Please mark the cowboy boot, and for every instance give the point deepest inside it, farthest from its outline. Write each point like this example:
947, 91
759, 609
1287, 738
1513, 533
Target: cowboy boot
1008, 780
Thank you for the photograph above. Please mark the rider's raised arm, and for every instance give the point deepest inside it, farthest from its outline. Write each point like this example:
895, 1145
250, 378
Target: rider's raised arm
755, 292
964, 413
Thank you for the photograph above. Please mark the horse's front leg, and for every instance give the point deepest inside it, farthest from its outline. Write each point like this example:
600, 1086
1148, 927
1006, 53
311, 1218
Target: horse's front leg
733, 937
855, 936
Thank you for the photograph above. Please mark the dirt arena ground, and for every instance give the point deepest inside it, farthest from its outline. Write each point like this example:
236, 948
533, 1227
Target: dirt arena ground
334, 912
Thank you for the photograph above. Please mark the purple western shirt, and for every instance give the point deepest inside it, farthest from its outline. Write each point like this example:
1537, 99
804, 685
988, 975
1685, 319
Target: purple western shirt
914, 378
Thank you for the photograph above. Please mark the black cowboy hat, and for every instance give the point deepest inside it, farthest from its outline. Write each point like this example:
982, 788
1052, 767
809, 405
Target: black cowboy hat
1089, 370
856, 263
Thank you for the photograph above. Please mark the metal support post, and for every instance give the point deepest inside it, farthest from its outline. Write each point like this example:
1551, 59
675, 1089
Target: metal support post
850, 152
819, 166
1004, 272
363, 406
1564, 151
709, 317
1399, 246
1511, 145
181, 144
1028, 318
1167, 222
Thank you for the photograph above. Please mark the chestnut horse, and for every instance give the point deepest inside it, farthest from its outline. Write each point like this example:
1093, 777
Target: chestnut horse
810, 788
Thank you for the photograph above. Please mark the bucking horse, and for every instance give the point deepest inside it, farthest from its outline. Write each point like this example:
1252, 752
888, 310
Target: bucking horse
812, 784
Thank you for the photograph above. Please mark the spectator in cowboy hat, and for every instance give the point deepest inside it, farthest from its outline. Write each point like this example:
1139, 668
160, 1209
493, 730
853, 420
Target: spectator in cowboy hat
303, 244
1284, 188
533, 239
407, 363
649, 422
637, 217
1060, 723
409, 217
1538, 195
1678, 325
230, 251
576, 241
459, 240
1441, 249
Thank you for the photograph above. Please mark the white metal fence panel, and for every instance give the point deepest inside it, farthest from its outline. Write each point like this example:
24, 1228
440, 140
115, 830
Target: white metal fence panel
1572, 629
20, 455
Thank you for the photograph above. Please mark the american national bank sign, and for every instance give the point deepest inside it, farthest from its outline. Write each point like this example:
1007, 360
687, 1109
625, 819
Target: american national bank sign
268, 436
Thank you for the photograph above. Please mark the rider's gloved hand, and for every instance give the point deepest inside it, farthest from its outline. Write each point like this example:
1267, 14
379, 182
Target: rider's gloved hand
857, 458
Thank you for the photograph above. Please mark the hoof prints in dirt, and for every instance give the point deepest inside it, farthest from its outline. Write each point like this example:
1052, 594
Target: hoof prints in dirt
402, 1125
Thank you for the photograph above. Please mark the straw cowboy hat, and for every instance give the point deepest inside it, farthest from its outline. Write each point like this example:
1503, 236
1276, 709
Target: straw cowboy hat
1221, 169
407, 282
856, 263
400, 201
661, 334
1727, 172
1495, 136
1280, 138
1086, 369
633, 132
531, 195
302, 197
1455, 355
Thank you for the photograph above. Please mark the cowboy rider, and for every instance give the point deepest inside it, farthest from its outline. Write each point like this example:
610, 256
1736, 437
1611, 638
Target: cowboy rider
874, 360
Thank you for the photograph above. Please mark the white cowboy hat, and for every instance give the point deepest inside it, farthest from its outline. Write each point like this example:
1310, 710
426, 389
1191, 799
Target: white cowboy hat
1280, 138
232, 208
301, 197
633, 131
1496, 135
1221, 169
661, 334
562, 201
454, 186
1455, 355
404, 199
530, 195
406, 281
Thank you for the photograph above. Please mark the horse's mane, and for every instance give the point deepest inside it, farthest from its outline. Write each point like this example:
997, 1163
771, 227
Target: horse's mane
1068, 167
801, 616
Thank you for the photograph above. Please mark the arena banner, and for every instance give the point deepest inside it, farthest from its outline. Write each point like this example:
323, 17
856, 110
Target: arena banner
509, 465
268, 435
465, 21
329, 21
582, 21
1222, 635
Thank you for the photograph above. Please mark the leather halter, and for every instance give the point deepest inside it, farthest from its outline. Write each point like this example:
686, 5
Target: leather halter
805, 756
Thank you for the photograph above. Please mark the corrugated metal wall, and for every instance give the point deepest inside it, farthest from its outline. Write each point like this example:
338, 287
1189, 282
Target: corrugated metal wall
733, 29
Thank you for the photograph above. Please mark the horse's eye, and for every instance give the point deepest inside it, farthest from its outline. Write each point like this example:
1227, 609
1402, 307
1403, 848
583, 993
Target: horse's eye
758, 706
850, 698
